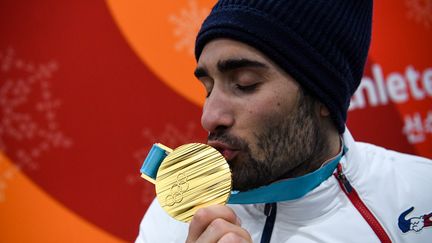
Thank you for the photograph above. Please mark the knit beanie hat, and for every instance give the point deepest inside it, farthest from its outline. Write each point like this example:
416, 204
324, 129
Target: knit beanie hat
322, 44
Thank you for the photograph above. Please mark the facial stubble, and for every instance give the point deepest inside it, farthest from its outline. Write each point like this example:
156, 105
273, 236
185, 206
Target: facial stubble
290, 145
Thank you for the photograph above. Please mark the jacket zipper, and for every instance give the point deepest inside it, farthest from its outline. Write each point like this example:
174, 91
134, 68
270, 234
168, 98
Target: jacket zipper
360, 206
270, 212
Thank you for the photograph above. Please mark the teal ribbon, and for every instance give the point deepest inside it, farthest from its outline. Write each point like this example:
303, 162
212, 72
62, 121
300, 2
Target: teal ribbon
153, 161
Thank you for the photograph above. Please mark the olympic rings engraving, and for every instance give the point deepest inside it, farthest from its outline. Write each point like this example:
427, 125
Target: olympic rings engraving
177, 190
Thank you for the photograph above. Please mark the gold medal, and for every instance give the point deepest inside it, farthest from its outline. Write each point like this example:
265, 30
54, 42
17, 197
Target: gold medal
188, 178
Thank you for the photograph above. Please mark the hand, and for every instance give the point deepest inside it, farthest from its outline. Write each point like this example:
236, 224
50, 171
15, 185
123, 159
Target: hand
216, 223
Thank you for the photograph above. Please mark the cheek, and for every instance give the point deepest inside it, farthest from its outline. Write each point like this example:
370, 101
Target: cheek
256, 120
257, 114
269, 108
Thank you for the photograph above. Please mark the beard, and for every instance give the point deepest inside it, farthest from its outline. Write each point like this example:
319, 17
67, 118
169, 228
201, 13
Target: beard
289, 145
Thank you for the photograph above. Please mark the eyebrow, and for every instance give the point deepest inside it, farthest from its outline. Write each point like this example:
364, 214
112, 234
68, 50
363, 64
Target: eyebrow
229, 65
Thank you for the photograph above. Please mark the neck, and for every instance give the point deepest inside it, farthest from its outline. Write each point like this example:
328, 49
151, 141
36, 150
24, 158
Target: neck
331, 148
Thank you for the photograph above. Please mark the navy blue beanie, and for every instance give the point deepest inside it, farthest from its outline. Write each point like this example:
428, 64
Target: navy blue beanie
322, 44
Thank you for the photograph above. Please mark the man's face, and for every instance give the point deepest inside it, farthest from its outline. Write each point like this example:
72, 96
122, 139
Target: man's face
256, 114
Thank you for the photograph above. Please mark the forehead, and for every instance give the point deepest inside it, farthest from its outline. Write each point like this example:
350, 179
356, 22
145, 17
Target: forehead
224, 49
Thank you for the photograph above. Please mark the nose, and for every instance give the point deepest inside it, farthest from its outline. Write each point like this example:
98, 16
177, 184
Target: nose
218, 112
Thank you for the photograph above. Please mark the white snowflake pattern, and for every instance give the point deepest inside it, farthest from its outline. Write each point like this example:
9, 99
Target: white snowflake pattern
186, 25
27, 113
420, 11
171, 136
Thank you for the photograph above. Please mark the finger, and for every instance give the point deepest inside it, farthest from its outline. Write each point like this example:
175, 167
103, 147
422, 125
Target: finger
204, 216
220, 228
233, 238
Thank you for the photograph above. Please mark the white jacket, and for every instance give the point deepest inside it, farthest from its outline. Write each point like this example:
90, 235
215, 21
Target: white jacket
388, 182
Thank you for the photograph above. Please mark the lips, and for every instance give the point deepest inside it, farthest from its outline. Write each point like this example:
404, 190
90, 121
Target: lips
229, 153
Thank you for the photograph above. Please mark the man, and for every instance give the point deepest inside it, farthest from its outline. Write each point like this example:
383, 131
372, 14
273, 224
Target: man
279, 76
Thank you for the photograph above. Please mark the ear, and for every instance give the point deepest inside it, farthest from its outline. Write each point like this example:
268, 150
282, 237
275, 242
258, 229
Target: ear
324, 111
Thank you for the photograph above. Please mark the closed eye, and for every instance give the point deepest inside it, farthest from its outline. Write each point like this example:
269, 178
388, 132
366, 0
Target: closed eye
247, 88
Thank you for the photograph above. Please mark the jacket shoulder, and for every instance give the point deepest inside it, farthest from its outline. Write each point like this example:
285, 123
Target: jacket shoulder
378, 154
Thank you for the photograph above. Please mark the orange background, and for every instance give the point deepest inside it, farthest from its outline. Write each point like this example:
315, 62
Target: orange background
87, 86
